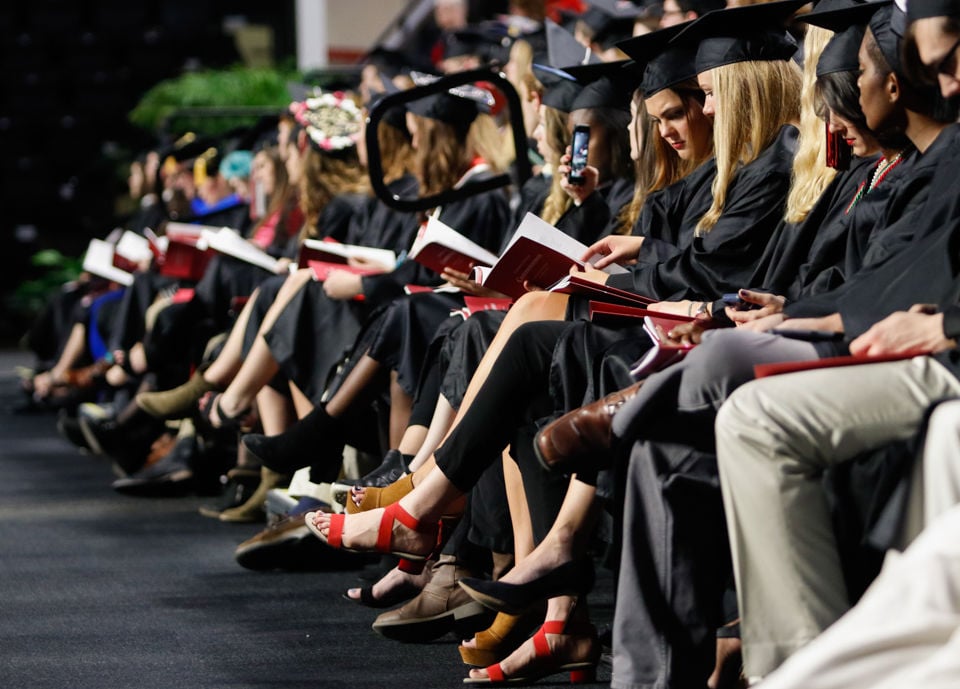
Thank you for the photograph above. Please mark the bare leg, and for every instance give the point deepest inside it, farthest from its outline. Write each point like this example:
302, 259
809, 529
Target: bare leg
567, 538
442, 419
276, 411
301, 402
72, 351
413, 438
401, 406
228, 362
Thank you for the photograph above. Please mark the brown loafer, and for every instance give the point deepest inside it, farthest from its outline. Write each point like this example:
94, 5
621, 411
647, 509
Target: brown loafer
580, 435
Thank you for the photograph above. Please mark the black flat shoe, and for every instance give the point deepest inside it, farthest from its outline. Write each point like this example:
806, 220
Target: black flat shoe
399, 595
573, 578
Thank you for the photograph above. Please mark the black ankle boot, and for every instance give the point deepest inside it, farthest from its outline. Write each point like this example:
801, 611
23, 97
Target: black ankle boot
393, 466
316, 438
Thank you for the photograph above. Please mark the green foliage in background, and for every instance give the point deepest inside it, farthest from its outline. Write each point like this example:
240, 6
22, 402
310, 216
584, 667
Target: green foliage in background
234, 87
58, 270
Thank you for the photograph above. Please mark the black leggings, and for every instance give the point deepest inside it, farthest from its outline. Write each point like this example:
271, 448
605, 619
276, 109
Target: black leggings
516, 392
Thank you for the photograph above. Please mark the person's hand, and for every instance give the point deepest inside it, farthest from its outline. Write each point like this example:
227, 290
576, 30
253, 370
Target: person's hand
463, 282
578, 192
687, 334
590, 273
677, 308
769, 304
614, 248
342, 285
283, 265
904, 332
762, 325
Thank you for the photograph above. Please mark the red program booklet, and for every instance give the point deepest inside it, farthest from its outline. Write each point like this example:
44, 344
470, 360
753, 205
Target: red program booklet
764, 370
439, 246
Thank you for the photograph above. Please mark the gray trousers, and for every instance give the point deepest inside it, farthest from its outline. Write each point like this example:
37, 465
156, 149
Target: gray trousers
674, 562
775, 437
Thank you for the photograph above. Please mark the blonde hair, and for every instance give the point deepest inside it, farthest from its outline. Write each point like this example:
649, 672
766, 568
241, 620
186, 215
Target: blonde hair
811, 176
754, 100
555, 132
325, 177
486, 139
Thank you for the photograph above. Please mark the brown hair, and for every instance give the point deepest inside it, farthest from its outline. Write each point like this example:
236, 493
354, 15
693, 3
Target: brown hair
325, 177
441, 157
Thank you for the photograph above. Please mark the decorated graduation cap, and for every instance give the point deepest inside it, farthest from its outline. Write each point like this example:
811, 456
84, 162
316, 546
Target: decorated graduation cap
459, 106
331, 121
742, 34
924, 9
664, 65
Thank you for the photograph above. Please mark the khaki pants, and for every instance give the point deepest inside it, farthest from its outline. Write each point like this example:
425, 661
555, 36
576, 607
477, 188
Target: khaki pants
775, 437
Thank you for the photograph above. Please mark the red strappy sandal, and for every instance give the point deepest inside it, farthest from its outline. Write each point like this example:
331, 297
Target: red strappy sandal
409, 562
581, 672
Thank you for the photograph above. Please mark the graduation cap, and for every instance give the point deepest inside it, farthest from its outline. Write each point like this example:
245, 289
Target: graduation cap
924, 9
612, 20
459, 106
611, 85
888, 34
841, 54
742, 34
563, 50
663, 65
487, 42
396, 115
837, 15
561, 88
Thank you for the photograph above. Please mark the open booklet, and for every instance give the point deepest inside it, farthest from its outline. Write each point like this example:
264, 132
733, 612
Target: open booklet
663, 353
99, 260
329, 251
539, 254
439, 246
181, 253
226, 241
575, 284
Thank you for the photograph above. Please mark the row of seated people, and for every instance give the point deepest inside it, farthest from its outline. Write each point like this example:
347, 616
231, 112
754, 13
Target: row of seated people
720, 508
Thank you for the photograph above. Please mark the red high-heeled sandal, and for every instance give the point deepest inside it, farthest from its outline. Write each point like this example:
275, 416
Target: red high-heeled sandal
581, 672
409, 562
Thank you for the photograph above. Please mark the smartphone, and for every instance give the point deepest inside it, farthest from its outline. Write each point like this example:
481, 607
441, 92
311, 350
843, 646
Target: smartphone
578, 158
838, 151
734, 301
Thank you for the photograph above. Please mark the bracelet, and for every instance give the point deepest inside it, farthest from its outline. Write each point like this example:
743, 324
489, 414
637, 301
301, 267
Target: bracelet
690, 308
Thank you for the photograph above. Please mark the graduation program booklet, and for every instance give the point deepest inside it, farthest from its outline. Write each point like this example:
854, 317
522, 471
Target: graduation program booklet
99, 260
330, 251
663, 353
181, 254
538, 253
574, 284
226, 241
439, 246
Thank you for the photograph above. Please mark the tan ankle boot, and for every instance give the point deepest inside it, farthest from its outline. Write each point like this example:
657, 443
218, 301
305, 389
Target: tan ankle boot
441, 607
252, 510
178, 402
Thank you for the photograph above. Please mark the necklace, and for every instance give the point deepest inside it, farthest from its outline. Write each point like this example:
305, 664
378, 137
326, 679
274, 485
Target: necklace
880, 173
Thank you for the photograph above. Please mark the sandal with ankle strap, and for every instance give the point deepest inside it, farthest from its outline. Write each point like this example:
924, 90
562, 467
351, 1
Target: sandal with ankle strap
380, 497
581, 671
227, 423
501, 638
409, 562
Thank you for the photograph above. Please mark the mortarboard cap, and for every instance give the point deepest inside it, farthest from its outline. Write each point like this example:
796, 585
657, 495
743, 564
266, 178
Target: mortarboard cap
663, 65
888, 40
396, 115
610, 87
841, 54
459, 106
924, 9
612, 20
485, 42
563, 49
837, 15
560, 88
742, 34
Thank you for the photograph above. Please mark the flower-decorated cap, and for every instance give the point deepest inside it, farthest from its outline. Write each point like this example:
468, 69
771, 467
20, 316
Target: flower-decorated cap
331, 121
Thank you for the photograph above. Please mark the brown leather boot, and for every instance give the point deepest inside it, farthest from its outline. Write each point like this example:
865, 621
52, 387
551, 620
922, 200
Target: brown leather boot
178, 402
441, 607
253, 509
582, 435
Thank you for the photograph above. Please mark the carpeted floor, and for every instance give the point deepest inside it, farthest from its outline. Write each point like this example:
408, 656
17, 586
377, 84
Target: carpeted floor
102, 591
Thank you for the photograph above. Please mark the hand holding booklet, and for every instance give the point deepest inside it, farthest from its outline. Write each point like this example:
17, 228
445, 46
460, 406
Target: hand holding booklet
663, 353
329, 251
538, 254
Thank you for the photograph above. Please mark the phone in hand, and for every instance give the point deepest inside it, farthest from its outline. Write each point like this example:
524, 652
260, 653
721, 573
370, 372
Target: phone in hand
578, 158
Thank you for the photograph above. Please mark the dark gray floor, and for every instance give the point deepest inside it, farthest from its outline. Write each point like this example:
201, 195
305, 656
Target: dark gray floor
100, 590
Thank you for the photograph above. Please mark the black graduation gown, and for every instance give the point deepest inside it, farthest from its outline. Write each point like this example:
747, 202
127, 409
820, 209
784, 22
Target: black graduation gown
723, 259
313, 332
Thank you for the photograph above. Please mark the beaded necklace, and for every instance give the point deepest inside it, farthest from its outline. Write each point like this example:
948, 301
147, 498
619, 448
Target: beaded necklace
880, 173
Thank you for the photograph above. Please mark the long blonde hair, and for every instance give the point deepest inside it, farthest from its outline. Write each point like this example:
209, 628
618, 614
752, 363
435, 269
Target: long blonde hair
811, 176
487, 141
754, 100
555, 130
